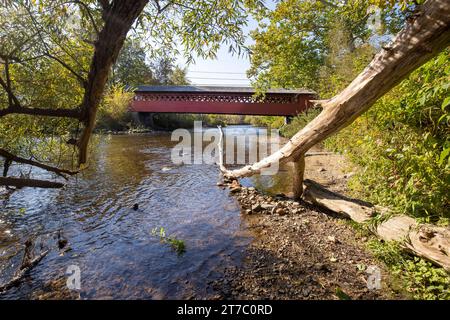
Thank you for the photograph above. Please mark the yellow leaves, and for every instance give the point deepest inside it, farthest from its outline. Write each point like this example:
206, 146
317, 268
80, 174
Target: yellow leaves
383, 4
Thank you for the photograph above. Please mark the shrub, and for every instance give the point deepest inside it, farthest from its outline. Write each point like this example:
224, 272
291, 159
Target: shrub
114, 111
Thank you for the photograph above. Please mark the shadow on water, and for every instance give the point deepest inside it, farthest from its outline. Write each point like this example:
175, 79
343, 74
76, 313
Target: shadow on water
110, 242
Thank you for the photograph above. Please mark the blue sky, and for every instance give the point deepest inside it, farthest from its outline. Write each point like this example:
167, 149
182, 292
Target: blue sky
226, 69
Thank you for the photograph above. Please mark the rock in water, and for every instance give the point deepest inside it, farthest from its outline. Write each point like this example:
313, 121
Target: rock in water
62, 243
135, 206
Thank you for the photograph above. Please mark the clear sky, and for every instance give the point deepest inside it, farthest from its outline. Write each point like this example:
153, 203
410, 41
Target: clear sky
227, 69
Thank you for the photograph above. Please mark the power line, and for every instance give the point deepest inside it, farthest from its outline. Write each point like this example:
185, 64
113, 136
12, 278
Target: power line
201, 78
221, 85
218, 72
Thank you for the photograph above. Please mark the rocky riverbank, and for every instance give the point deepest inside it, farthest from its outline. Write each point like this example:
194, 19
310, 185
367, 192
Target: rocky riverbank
299, 252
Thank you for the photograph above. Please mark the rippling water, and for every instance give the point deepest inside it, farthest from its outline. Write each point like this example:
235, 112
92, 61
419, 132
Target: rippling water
112, 243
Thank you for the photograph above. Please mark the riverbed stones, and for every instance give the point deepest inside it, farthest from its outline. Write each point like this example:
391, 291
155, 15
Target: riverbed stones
332, 239
267, 206
250, 199
257, 208
235, 190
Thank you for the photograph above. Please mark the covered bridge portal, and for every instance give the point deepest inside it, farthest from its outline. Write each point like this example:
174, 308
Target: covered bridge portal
220, 100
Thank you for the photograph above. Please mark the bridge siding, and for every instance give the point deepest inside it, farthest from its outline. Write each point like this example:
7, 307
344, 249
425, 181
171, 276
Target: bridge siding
264, 109
239, 102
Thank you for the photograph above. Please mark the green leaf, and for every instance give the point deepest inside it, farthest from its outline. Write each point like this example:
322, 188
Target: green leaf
342, 295
445, 103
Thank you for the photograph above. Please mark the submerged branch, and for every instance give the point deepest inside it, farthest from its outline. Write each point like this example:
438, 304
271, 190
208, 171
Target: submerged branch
22, 272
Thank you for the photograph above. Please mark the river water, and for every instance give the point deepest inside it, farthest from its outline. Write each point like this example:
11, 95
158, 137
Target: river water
111, 243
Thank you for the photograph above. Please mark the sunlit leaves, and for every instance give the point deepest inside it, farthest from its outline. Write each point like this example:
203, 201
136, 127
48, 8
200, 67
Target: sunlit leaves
45, 58
193, 28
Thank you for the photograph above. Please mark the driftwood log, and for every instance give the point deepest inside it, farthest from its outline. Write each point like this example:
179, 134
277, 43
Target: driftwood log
427, 241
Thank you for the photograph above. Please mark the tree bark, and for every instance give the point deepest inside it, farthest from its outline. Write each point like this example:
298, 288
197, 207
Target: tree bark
119, 16
424, 240
21, 183
59, 113
299, 172
418, 42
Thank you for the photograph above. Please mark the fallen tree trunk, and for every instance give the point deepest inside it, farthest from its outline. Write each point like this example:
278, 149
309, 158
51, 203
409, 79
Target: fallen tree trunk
420, 40
424, 240
34, 183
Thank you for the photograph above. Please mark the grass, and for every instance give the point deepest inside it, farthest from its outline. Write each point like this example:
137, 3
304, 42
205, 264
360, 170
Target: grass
176, 244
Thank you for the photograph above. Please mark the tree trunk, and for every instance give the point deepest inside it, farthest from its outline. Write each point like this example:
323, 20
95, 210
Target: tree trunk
427, 241
299, 172
418, 42
119, 17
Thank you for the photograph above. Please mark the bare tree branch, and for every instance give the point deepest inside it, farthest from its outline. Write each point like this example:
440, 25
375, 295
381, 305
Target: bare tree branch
16, 108
58, 113
33, 183
11, 157
89, 13
65, 65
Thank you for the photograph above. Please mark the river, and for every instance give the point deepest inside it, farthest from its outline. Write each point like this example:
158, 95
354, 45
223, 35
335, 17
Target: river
111, 243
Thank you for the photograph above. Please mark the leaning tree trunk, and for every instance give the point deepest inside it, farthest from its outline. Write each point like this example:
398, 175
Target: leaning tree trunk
119, 17
418, 42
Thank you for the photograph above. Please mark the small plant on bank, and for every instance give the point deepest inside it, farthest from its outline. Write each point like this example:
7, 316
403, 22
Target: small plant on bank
421, 279
176, 244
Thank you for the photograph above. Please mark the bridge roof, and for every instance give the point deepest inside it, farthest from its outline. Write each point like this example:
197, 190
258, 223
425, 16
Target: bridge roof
217, 89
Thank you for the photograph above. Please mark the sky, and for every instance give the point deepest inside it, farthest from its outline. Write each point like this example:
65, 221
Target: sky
226, 70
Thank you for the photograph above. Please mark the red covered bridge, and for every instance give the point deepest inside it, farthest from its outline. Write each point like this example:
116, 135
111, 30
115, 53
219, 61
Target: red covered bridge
220, 100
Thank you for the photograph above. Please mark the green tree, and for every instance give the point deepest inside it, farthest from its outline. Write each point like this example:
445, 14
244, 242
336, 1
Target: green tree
132, 68
56, 57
